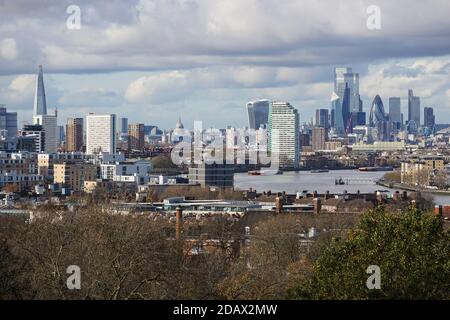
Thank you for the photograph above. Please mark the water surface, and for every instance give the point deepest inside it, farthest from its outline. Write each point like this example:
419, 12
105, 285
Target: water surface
291, 182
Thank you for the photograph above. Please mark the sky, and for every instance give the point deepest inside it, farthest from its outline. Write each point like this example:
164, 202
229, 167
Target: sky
155, 60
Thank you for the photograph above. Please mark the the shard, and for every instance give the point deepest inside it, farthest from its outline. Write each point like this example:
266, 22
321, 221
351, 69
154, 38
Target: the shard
40, 104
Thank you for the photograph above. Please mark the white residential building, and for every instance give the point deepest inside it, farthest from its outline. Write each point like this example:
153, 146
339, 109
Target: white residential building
100, 133
49, 126
138, 171
284, 134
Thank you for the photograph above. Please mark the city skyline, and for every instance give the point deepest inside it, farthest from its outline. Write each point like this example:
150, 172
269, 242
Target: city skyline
353, 106
213, 77
225, 150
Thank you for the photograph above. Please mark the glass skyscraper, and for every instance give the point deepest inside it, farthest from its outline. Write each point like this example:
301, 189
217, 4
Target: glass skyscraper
258, 113
428, 118
343, 78
8, 122
322, 118
346, 87
40, 103
413, 110
378, 119
337, 111
395, 117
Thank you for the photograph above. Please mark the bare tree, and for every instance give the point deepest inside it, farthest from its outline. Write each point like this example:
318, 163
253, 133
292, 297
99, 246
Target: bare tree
440, 178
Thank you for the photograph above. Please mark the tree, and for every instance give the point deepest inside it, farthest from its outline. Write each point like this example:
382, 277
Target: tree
119, 256
163, 162
440, 178
11, 187
423, 177
412, 250
275, 256
262, 271
393, 176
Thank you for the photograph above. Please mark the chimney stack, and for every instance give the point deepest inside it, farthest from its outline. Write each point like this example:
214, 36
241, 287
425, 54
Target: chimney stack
317, 205
279, 205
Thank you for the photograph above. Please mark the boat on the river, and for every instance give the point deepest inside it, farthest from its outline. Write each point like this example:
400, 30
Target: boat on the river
270, 172
340, 181
265, 172
320, 171
371, 169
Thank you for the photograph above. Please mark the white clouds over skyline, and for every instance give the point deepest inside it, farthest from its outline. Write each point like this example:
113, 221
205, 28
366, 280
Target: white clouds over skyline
155, 59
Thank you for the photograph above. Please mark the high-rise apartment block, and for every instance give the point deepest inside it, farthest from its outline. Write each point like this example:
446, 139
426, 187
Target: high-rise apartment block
74, 134
100, 133
319, 137
284, 134
136, 136
33, 137
49, 125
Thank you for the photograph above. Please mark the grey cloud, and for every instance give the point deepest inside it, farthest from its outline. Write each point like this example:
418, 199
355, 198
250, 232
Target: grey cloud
286, 50
156, 35
402, 71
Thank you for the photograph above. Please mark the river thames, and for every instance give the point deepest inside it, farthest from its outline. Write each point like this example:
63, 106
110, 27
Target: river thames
298, 181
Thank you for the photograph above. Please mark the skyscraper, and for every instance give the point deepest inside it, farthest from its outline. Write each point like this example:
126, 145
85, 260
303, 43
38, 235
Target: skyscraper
322, 118
413, 108
122, 129
359, 118
346, 114
61, 135
332, 117
428, 118
101, 133
395, 118
40, 103
378, 119
284, 134
8, 122
122, 126
74, 134
136, 136
258, 113
338, 118
49, 126
345, 78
